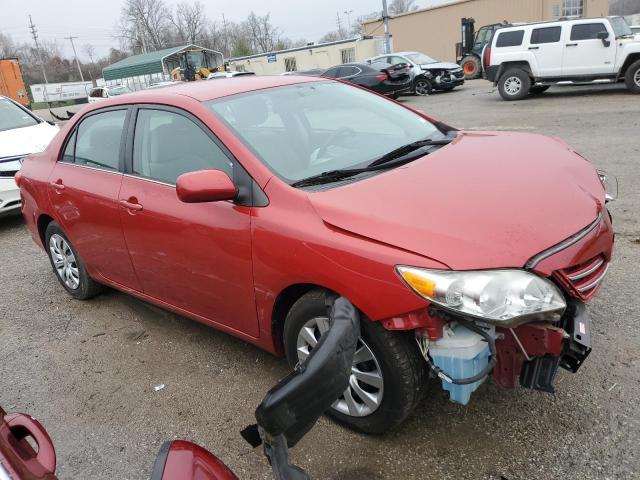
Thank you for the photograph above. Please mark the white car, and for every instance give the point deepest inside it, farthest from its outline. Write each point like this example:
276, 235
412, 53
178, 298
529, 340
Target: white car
103, 93
426, 73
230, 74
21, 133
528, 59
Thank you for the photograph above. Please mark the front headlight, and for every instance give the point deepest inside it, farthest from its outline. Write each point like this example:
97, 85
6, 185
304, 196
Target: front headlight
501, 297
610, 184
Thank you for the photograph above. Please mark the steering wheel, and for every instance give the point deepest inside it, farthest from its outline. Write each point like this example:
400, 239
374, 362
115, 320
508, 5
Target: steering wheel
341, 132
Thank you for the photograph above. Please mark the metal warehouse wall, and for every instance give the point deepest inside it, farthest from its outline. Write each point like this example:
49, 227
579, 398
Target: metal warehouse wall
435, 31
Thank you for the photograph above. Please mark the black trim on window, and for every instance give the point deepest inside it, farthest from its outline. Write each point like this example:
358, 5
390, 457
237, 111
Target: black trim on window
247, 187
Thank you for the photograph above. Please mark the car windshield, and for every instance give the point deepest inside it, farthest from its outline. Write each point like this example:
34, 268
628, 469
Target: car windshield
620, 27
420, 58
121, 90
302, 130
12, 116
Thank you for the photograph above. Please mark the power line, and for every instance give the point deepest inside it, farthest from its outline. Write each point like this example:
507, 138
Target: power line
75, 54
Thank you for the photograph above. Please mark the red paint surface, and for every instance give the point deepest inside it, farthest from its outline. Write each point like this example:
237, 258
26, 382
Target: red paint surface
188, 461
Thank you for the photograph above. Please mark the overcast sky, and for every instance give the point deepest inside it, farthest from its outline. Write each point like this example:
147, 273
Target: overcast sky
93, 21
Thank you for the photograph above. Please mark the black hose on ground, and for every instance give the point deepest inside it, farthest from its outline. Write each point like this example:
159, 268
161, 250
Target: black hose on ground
485, 371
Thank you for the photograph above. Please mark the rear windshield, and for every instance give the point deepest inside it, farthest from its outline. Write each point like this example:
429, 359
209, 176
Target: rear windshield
12, 116
510, 39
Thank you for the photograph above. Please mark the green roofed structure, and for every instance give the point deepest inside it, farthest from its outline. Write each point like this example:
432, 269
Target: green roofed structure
139, 71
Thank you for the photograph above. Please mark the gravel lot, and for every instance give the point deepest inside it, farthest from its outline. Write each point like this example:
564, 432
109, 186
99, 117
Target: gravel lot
87, 370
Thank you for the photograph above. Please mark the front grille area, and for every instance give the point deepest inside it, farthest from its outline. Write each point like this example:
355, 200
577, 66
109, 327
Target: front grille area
582, 281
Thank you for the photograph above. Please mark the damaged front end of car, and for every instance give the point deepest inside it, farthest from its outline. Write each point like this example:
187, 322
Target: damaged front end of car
516, 325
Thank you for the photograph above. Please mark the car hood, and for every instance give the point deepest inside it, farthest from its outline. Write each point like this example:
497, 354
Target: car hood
440, 66
26, 140
487, 200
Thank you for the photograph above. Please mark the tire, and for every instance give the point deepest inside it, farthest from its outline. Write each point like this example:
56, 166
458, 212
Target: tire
538, 89
514, 84
422, 86
471, 67
632, 77
391, 356
67, 265
395, 96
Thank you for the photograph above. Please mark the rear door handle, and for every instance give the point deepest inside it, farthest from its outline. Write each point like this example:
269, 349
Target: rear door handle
131, 206
571, 45
534, 48
58, 185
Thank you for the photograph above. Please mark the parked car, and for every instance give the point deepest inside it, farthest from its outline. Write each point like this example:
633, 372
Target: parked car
314, 72
230, 74
383, 78
164, 83
21, 133
99, 94
426, 73
243, 205
528, 59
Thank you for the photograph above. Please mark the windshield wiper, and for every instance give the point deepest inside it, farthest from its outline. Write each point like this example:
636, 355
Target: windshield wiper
403, 150
395, 158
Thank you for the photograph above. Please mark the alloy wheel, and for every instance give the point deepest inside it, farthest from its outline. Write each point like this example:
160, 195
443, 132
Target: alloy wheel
364, 394
422, 88
64, 261
636, 77
512, 85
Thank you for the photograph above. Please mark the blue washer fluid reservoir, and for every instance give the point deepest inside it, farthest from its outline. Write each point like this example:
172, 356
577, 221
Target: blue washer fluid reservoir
460, 353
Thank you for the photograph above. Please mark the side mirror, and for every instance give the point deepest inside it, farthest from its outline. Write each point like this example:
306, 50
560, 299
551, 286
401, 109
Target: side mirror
604, 36
205, 186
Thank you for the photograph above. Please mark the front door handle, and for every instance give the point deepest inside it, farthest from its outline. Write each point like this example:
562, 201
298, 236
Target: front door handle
534, 48
130, 205
58, 185
571, 45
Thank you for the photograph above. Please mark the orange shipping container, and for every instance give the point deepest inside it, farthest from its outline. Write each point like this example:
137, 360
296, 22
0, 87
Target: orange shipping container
11, 84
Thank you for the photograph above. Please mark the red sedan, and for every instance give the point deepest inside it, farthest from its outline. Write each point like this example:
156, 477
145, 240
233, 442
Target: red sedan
241, 203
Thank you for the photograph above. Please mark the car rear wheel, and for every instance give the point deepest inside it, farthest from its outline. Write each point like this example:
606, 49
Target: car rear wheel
514, 85
471, 67
67, 265
422, 87
387, 376
632, 77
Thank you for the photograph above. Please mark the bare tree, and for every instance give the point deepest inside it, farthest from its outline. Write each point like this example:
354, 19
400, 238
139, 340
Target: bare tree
8, 49
190, 21
144, 24
90, 51
262, 34
402, 6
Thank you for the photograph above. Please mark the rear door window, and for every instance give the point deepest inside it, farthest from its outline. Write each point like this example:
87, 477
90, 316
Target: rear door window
98, 140
587, 31
545, 35
349, 71
510, 39
168, 144
332, 72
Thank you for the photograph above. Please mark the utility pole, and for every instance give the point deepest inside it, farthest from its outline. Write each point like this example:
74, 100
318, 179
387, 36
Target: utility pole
34, 34
70, 38
385, 20
348, 14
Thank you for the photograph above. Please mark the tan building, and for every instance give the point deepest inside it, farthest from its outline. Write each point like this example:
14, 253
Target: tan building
436, 30
323, 55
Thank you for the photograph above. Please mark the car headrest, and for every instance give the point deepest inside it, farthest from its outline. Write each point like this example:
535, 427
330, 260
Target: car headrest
249, 111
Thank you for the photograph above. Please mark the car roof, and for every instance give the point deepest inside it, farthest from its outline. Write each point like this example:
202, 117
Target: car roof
203, 90
559, 20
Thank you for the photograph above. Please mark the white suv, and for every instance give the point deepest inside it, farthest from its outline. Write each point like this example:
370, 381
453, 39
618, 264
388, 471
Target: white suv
530, 58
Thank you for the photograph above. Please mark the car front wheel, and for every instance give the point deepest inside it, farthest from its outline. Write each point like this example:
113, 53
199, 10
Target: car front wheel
67, 265
632, 77
422, 87
387, 376
514, 85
